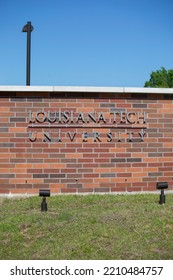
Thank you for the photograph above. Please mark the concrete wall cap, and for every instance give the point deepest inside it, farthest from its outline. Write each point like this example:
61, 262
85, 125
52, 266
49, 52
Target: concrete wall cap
85, 89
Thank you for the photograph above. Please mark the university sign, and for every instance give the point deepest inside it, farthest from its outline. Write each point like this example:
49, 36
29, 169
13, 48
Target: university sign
117, 125
85, 139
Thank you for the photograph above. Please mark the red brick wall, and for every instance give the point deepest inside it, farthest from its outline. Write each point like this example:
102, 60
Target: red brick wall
90, 155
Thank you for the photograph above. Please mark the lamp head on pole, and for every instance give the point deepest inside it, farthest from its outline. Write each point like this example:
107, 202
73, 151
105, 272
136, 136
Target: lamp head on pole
28, 27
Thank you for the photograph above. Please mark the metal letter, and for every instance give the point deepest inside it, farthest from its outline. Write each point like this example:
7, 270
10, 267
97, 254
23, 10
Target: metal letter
101, 118
130, 136
40, 120
47, 136
72, 135
92, 117
49, 117
33, 137
85, 136
80, 118
141, 134
30, 117
96, 136
129, 119
142, 117
109, 137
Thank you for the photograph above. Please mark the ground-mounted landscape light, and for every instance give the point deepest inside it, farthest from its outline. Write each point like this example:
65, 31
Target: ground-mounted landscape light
44, 193
161, 186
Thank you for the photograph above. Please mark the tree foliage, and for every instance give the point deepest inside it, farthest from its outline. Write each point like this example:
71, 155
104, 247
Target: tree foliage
160, 79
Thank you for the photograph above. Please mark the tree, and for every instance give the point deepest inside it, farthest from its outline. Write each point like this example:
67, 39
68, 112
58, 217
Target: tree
160, 79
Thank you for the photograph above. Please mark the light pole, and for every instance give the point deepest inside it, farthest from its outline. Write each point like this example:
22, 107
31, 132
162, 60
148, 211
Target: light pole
28, 28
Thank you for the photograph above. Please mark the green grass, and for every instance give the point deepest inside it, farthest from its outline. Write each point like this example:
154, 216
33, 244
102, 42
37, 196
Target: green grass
87, 227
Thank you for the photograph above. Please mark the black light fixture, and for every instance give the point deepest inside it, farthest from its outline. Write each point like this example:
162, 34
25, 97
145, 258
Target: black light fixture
28, 28
44, 193
161, 186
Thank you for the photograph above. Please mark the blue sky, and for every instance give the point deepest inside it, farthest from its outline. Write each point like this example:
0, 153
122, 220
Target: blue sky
86, 42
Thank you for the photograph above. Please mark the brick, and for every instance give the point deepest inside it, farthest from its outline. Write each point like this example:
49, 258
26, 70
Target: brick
140, 175
57, 176
75, 175
4, 170
120, 189
5, 191
69, 190
74, 155
134, 189
91, 175
101, 190
17, 181
134, 159
18, 170
118, 160
40, 175
101, 170
8, 155
6, 175
124, 175
17, 129
40, 165
86, 190
107, 175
